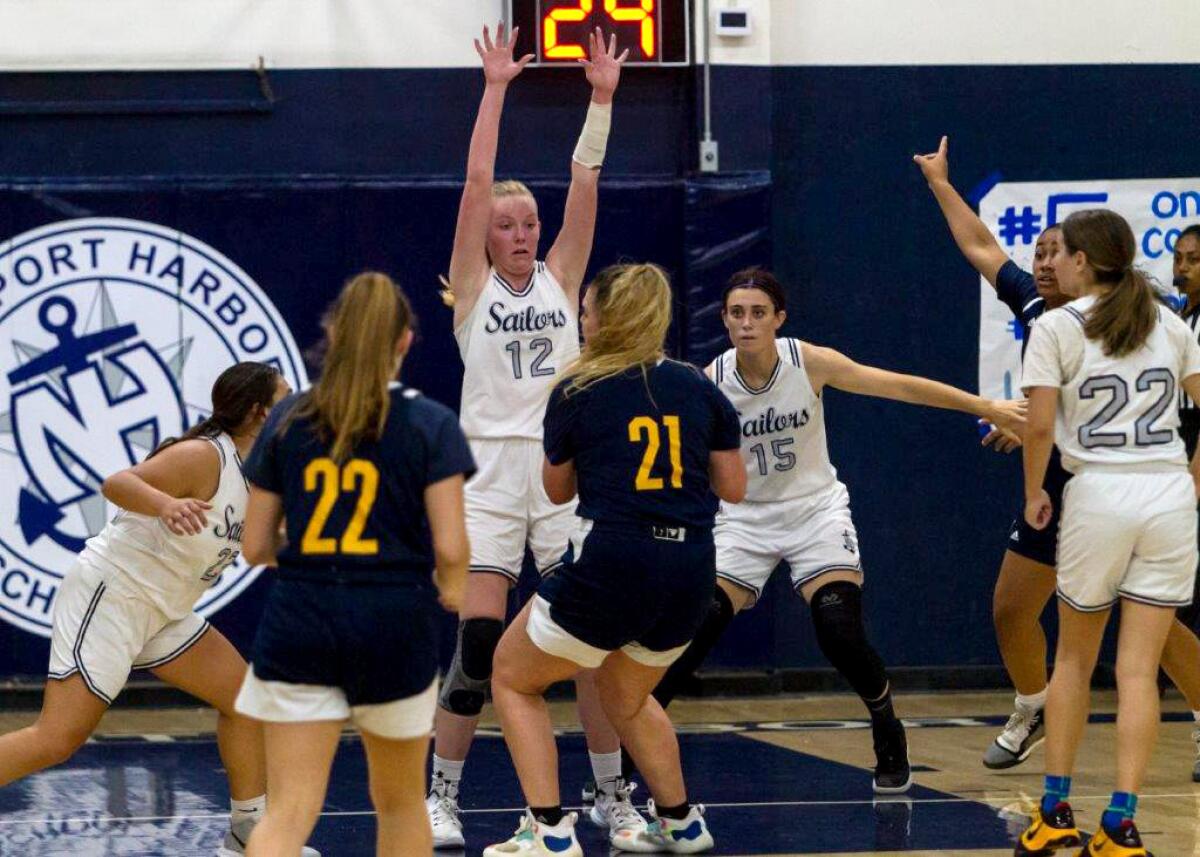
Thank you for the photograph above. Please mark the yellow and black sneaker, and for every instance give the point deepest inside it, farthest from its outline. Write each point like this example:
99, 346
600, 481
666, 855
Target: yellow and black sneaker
1121, 842
1047, 833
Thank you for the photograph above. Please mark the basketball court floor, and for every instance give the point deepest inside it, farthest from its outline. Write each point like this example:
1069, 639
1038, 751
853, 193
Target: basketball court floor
779, 775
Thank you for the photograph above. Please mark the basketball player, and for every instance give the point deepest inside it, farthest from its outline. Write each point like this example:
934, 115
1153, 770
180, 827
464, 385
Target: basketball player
796, 509
1026, 580
515, 322
127, 603
645, 442
1107, 367
362, 469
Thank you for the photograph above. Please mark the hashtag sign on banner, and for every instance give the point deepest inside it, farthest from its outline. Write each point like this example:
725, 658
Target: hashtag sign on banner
1025, 225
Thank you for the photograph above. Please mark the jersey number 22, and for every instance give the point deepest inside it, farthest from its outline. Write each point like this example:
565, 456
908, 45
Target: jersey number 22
357, 474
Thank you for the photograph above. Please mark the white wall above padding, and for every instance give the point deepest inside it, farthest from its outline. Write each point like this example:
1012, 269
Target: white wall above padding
208, 34
984, 32
213, 34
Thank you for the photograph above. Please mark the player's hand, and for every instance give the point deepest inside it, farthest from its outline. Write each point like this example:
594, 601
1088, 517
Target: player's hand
1002, 440
450, 592
603, 69
1038, 510
1008, 414
935, 166
498, 63
184, 516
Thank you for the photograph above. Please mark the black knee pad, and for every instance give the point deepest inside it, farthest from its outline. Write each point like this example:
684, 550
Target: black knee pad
469, 678
838, 620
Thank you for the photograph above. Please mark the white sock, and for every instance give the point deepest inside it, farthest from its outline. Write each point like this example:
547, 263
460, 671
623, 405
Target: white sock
1033, 702
449, 770
606, 768
240, 810
1196, 716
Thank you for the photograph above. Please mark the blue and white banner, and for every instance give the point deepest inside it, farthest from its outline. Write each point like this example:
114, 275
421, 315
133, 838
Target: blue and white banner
1017, 212
112, 332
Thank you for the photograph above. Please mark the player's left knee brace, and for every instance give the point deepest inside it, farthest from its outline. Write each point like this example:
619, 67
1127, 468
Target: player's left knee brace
837, 617
467, 682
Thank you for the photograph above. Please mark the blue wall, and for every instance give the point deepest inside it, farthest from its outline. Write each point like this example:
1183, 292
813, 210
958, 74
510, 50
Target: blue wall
355, 169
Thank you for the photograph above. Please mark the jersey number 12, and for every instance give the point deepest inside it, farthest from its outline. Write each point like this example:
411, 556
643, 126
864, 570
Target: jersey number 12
645, 426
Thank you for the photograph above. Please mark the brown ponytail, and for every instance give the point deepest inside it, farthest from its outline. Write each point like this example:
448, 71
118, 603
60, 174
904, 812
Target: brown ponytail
349, 402
235, 394
1124, 316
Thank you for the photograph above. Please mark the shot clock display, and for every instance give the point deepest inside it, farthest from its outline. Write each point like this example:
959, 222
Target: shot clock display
656, 32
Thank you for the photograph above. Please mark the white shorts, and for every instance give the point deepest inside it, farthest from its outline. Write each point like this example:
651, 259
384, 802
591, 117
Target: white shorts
1127, 535
555, 640
507, 507
814, 535
284, 702
103, 629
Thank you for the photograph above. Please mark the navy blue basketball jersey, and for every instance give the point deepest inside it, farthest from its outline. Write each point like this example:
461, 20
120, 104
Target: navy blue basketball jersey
641, 444
367, 512
1018, 290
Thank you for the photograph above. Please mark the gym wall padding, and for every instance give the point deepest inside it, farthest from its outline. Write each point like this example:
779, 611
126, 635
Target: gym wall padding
357, 169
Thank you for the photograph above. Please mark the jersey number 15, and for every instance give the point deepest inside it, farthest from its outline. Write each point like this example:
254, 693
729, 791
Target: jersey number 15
647, 427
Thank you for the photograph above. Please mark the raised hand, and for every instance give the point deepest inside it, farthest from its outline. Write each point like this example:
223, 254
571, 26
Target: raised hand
603, 69
935, 166
498, 63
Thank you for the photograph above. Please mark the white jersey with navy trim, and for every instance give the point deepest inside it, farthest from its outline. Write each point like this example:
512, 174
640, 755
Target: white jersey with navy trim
1113, 411
783, 428
174, 571
514, 345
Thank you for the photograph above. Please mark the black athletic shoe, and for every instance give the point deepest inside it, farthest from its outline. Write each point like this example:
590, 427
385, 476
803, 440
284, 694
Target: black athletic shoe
893, 775
588, 794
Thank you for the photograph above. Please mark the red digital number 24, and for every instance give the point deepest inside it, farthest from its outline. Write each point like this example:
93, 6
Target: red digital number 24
642, 13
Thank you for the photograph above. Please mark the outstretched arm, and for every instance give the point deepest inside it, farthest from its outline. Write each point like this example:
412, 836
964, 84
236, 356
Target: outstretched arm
827, 367
468, 261
970, 233
568, 257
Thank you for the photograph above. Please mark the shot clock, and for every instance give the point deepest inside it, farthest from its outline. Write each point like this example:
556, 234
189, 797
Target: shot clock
656, 32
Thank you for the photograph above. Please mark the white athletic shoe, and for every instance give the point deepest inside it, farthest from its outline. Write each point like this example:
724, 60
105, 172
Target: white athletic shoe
1196, 764
239, 834
680, 836
535, 838
1023, 733
627, 830
442, 805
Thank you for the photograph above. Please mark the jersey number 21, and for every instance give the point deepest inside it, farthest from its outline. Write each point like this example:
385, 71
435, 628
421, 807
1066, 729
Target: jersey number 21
646, 427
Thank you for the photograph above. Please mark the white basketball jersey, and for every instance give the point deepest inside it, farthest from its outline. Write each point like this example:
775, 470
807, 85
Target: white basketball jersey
1113, 411
514, 346
173, 571
783, 427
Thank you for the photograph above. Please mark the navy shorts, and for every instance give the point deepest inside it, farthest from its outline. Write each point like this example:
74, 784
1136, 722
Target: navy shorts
1042, 545
623, 585
377, 642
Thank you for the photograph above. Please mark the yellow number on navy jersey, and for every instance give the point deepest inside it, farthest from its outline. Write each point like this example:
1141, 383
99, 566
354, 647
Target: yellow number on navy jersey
639, 426
357, 474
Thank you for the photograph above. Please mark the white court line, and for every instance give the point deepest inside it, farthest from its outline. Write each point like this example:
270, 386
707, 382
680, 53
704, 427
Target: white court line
885, 799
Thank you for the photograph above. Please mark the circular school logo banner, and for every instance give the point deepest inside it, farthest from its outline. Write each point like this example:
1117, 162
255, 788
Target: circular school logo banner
112, 333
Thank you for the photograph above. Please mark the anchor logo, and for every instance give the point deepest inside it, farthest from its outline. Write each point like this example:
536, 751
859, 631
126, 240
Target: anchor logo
112, 333
75, 422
